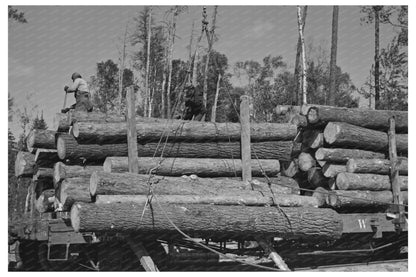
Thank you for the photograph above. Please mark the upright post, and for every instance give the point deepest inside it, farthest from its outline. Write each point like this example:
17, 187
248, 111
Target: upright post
394, 177
131, 131
245, 138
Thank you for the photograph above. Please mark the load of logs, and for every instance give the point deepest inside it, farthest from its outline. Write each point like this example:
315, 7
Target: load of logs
188, 172
345, 156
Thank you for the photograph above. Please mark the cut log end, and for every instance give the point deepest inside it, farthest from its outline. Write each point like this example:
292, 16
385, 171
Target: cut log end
75, 219
351, 165
93, 184
75, 129
331, 132
57, 169
60, 146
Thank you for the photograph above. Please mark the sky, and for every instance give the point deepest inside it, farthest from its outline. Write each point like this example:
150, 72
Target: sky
59, 40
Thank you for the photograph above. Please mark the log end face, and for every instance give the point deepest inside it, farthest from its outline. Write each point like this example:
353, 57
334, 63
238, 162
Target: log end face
351, 166
61, 148
107, 165
75, 218
75, 129
93, 183
331, 132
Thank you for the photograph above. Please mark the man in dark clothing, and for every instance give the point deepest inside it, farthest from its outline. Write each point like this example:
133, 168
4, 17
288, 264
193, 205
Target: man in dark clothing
81, 92
194, 107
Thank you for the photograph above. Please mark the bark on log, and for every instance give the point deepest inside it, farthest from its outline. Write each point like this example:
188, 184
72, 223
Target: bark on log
313, 139
209, 220
339, 155
306, 161
99, 117
371, 119
332, 170
24, 164
45, 201
73, 190
127, 183
376, 166
69, 149
40, 139
108, 133
287, 200
316, 178
62, 171
200, 167
341, 134
44, 173
374, 182
362, 198
60, 123
46, 157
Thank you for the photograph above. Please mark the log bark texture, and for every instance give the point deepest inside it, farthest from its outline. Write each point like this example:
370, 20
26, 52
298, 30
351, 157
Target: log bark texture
108, 133
371, 119
40, 139
24, 164
73, 190
69, 149
287, 200
187, 166
332, 170
209, 220
44, 173
341, 134
362, 198
45, 201
127, 183
376, 166
99, 117
374, 182
62, 171
340, 155
46, 157
60, 123
306, 161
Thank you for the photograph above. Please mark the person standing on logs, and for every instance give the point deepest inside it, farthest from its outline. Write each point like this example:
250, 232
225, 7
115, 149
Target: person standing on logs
81, 92
194, 107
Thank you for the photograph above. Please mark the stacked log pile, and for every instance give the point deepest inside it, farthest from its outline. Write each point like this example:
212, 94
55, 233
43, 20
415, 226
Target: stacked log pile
344, 153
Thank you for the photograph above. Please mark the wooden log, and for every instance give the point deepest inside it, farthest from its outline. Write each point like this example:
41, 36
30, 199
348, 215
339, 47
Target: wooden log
354, 181
376, 166
208, 220
40, 139
286, 109
186, 166
245, 138
74, 153
290, 168
45, 201
340, 155
371, 119
332, 170
108, 133
132, 161
320, 194
316, 178
362, 198
24, 164
62, 171
44, 173
60, 122
46, 157
306, 161
128, 183
313, 139
73, 190
341, 134
286, 200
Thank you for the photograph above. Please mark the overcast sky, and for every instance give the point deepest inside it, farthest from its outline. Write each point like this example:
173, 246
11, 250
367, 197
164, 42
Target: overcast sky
58, 40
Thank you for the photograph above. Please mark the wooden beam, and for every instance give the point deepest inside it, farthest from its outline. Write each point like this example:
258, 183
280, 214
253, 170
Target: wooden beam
131, 131
141, 253
245, 138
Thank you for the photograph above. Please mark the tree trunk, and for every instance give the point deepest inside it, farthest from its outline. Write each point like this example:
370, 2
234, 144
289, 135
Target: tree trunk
186, 166
339, 155
362, 199
298, 80
306, 161
316, 178
121, 71
128, 183
375, 166
377, 57
313, 139
286, 200
208, 220
304, 83
371, 119
24, 164
44, 173
62, 171
332, 170
333, 62
147, 89
73, 190
102, 118
40, 139
353, 181
106, 133
60, 122
45, 201
214, 106
74, 153
347, 135
320, 194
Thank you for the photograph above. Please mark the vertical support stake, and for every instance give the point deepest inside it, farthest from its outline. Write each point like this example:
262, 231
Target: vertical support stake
245, 138
131, 131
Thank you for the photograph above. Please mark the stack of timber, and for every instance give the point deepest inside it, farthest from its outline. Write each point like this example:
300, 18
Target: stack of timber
344, 153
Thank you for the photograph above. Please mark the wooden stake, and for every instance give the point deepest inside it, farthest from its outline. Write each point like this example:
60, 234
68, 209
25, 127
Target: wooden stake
131, 131
141, 253
245, 138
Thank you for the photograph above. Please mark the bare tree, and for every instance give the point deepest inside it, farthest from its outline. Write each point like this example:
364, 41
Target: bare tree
302, 40
214, 106
146, 85
333, 62
122, 60
377, 10
298, 91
